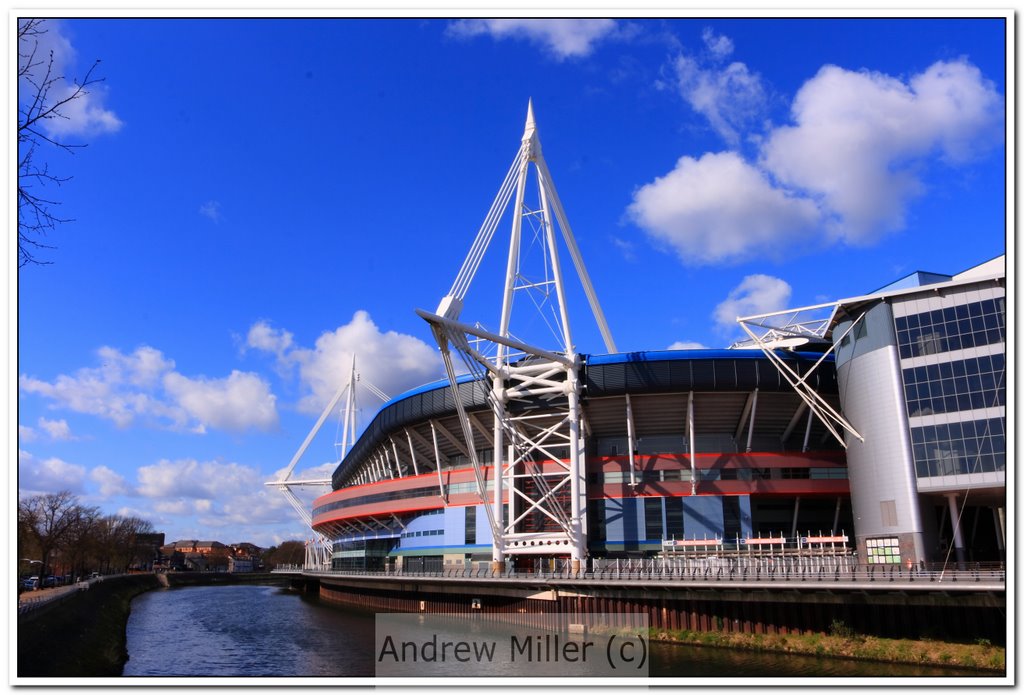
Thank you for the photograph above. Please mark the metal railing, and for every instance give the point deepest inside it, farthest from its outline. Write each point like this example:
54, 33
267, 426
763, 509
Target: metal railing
792, 570
31, 600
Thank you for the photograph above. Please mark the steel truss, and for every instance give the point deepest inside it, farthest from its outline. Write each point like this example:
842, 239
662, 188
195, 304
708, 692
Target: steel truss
319, 548
791, 329
534, 393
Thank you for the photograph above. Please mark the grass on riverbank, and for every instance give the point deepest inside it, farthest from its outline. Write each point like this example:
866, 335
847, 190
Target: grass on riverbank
842, 642
83, 635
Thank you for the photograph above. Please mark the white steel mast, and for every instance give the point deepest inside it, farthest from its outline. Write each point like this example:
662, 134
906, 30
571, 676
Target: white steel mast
318, 553
519, 371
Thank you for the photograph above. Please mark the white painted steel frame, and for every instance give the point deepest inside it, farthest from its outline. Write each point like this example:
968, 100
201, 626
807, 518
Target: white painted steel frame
318, 549
543, 374
793, 333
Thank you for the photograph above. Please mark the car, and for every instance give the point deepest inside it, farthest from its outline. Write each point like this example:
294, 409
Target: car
30, 583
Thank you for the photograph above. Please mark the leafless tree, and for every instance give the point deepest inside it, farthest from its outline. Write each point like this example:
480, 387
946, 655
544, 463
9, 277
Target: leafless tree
41, 98
57, 525
48, 520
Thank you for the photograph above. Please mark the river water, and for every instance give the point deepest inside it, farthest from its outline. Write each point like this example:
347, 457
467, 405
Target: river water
262, 631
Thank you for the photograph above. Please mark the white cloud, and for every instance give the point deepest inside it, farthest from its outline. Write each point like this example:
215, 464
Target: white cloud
686, 345
27, 434
211, 210
111, 482
262, 337
143, 385
203, 498
862, 140
192, 479
756, 294
844, 173
110, 391
719, 209
564, 38
237, 403
57, 429
84, 115
731, 97
40, 476
391, 361
628, 249
718, 46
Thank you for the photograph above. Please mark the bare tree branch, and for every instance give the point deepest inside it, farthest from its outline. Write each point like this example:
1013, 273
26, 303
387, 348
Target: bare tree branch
43, 96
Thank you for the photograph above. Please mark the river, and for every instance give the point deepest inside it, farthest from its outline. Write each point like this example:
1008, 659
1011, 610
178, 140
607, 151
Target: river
268, 632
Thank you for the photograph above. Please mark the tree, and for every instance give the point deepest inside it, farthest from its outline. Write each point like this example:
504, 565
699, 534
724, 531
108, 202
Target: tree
48, 520
77, 545
288, 553
42, 97
57, 523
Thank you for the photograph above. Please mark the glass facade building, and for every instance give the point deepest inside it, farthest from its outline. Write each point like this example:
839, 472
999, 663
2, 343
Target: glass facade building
923, 377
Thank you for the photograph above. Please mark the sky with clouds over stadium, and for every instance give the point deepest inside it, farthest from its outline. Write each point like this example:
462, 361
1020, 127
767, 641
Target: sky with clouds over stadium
262, 198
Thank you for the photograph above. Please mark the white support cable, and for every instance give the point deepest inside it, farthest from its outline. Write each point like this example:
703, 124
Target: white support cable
374, 390
483, 239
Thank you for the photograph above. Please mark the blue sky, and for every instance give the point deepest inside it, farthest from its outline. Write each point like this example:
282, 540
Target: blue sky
262, 197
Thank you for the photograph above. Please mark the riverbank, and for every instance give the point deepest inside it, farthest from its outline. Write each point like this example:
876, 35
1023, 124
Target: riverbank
175, 579
83, 636
987, 659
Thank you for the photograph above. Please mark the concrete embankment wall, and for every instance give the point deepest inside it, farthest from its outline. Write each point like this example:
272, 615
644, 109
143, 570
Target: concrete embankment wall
911, 615
82, 636
176, 579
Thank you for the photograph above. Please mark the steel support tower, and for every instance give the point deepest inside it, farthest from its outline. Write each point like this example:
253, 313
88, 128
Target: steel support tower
539, 456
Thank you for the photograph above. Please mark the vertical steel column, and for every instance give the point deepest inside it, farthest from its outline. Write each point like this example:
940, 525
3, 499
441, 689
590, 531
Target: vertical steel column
576, 483
690, 418
513, 502
412, 453
1000, 523
958, 539
498, 474
398, 461
498, 386
437, 462
807, 432
631, 441
750, 425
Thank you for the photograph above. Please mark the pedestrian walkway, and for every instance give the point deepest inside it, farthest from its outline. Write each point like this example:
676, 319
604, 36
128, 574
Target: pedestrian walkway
30, 600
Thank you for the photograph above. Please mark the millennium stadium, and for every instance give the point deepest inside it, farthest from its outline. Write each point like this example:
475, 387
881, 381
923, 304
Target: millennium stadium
871, 429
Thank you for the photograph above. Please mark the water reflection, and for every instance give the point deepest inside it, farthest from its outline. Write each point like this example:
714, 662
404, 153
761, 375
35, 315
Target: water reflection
262, 631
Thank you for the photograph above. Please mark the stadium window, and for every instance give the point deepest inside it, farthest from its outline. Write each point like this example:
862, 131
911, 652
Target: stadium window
653, 527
